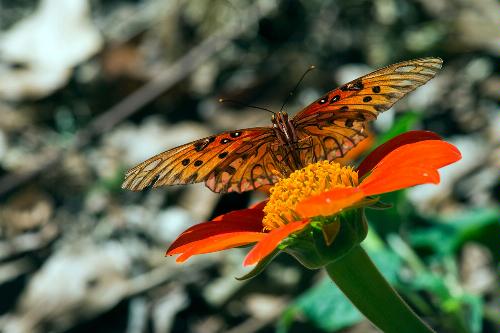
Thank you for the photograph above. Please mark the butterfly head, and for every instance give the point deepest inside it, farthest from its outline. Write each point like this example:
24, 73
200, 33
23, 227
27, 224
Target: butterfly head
279, 118
283, 128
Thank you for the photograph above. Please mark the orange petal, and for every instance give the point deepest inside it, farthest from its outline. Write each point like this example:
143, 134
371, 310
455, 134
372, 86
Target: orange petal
270, 240
249, 219
410, 165
403, 139
216, 243
330, 202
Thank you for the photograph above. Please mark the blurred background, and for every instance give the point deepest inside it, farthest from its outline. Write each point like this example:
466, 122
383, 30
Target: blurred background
90, 88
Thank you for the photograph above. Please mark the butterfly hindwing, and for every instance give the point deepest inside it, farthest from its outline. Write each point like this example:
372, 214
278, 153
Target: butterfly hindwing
331, 137
197, 161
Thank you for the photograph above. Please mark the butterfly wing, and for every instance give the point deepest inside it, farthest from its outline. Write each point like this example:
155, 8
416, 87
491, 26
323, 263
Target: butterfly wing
336, 122
243, 160
330, 138
231, 161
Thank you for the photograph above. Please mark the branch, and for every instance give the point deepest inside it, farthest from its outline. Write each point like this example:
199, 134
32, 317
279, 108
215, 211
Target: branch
165, 80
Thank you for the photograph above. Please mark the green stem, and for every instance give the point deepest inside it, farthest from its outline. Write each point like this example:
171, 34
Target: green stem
359, 279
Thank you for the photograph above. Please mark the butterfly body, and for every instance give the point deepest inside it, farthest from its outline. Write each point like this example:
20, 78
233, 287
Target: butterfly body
327, 129
286, 152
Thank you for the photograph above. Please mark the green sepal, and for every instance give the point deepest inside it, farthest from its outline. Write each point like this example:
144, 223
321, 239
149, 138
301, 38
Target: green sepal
313, 250
380, 205
260, 266
353, 230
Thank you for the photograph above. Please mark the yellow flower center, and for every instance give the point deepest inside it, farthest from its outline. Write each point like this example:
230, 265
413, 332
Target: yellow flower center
309, 181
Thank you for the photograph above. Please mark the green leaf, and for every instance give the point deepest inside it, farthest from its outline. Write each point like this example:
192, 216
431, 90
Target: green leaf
387, 262
474, 312
286, 320
260, 266
448, 234
326, 307
431, 283
404, 123
389, 220
380, 205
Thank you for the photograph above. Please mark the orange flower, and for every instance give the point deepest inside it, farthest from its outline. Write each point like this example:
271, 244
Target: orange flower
320, 189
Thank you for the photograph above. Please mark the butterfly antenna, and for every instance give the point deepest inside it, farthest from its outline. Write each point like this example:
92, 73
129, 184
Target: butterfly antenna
222, 100
296, 86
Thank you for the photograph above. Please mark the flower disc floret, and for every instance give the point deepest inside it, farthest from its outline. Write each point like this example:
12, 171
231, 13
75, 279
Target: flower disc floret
312, 180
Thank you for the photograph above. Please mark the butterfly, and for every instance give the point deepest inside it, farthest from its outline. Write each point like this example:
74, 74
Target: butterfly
245, 159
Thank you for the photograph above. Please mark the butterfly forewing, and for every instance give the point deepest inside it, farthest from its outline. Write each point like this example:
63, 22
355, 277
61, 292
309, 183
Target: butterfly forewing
202, 160
373, 93
336, 122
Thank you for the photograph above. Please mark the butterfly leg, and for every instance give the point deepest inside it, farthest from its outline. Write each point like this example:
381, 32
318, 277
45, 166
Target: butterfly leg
280, 159
304, 149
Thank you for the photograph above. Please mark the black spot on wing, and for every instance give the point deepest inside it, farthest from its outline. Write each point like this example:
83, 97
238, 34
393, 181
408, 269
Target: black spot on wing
154, 180
234, 134
335, 99
230, 170
357, 85
323, 100
200, 145
193, 177
353, 86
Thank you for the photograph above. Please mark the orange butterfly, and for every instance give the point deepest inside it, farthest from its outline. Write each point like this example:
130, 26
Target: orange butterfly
246, 159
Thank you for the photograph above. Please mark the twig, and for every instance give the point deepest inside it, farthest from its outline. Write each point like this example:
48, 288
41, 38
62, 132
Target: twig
254, 324
28, 242
147, 93
13, 269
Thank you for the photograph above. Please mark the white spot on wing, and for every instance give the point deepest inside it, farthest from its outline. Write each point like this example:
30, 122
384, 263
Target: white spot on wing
151, 165
405, 69
406, 83
428, 71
